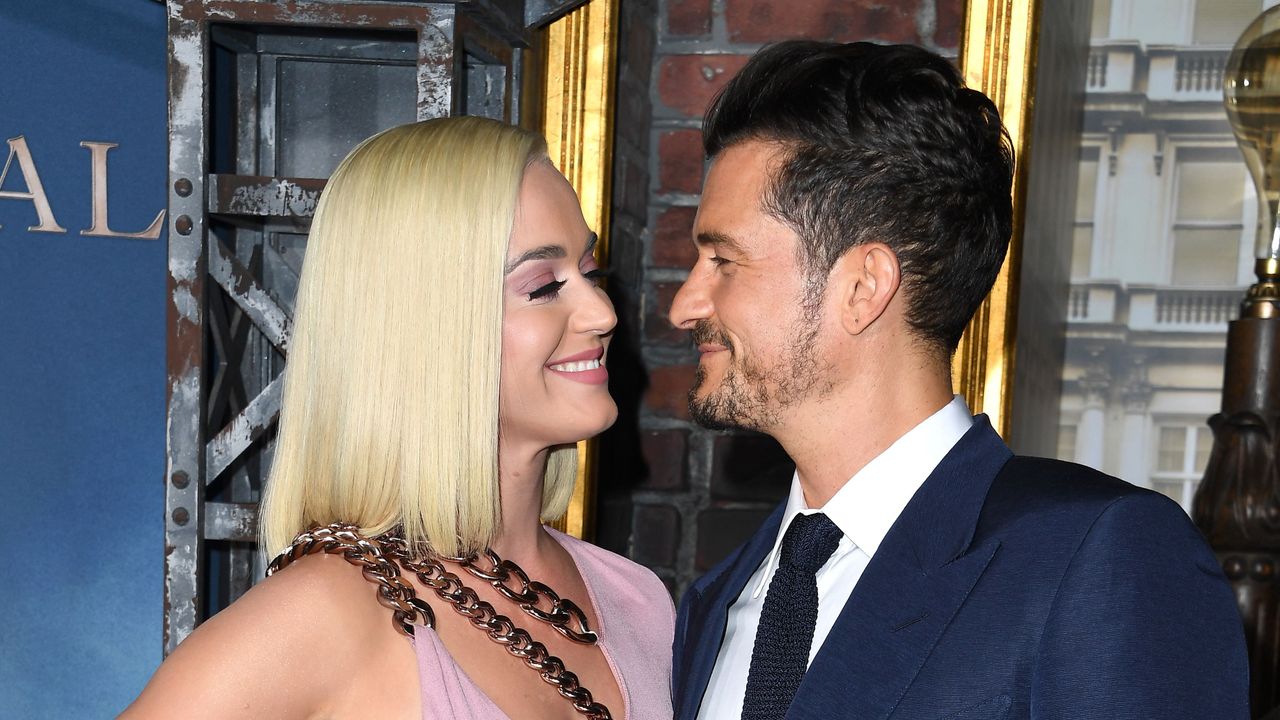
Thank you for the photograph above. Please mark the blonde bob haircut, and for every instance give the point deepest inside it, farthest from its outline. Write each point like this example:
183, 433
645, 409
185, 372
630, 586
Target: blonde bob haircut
390, 411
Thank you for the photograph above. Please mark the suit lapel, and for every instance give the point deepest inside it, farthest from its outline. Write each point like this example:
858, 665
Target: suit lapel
709, 613
910, 591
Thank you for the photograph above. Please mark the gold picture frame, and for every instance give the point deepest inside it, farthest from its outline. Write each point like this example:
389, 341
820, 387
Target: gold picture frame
998, 57
578, 60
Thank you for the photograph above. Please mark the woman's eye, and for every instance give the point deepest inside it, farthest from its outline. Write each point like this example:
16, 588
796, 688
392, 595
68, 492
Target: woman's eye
548, 290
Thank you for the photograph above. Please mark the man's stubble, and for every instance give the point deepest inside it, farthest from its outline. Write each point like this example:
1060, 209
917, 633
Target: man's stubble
752, 395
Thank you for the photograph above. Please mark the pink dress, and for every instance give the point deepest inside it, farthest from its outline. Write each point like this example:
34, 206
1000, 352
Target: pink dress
637, 623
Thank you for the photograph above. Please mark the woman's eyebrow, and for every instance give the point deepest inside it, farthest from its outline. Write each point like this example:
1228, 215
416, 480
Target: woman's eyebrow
591, 244
539, 253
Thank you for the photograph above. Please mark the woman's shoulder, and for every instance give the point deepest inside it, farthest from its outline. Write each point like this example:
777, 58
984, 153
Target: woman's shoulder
617, 579
283, 633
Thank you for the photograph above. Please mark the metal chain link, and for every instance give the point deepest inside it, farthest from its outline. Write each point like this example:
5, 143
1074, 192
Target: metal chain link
561, 611
367, 554
378, 557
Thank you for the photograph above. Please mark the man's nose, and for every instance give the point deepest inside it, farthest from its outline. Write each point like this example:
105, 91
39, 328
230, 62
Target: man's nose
692, 302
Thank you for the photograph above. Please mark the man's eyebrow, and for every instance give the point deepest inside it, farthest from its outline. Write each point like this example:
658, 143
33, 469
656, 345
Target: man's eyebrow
539, 253
720, 239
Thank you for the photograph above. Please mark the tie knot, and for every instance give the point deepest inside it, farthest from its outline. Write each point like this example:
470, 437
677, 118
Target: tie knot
809, 541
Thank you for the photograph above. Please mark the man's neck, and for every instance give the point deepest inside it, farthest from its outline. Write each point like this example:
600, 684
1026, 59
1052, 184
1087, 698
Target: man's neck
834, 437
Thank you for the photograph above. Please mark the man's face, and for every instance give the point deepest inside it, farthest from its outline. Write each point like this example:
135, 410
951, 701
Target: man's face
747, 302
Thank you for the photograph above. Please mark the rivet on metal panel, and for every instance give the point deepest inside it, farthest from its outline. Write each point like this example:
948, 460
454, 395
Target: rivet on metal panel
181, 516
181, 479
182, 187
183, 225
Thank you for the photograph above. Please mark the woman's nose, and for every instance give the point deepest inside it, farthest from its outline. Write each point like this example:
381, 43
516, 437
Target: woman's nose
596, 314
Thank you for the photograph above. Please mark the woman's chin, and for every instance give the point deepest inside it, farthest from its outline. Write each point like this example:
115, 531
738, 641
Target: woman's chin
601, 421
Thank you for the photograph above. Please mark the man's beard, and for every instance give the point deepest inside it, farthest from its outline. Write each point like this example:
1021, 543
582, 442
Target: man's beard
752, 395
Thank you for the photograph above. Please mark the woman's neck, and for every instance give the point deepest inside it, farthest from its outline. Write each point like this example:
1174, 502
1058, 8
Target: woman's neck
522, 538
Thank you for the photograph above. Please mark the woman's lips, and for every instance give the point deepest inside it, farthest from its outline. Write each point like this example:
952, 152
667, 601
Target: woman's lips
585, 367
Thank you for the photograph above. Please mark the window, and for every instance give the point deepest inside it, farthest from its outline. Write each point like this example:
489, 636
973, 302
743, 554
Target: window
1101, 19
1086, 194
1207, 222
1220, 22
1067, 442
1182, 451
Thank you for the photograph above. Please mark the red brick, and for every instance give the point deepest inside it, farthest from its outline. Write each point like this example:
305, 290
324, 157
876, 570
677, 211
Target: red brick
688, 17
655, 535
636, 45
839, 20
668, 391
688, 82
949, 23
658, 329
673, 238
665, 454
631, 184
680, 161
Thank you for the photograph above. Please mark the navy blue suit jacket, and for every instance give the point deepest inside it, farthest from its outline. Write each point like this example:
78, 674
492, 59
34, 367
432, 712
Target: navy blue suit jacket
1008, 588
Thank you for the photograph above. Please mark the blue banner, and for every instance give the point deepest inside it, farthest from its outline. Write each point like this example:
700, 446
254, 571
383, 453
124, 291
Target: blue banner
82, 370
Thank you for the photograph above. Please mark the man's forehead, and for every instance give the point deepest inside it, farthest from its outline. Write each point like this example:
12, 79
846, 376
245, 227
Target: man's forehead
735, 183
744, 165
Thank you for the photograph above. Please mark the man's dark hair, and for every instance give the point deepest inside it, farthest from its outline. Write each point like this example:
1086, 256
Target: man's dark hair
882, 143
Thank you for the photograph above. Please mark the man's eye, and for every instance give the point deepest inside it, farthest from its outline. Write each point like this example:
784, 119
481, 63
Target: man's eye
596, 275
718, 261
551, 289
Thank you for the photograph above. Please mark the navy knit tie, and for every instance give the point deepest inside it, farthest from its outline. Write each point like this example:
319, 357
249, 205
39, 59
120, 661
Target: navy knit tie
781, 652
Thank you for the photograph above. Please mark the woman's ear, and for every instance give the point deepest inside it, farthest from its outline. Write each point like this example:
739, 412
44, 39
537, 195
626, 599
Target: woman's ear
866, 280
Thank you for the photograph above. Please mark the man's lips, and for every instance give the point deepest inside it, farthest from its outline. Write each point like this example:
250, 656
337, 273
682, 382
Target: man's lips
706, 348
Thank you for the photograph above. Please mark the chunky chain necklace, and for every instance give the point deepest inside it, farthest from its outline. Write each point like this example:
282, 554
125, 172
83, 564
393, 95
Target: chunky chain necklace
380, 559
560, 611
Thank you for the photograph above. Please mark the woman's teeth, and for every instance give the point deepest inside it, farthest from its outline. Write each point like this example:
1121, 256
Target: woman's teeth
577, 366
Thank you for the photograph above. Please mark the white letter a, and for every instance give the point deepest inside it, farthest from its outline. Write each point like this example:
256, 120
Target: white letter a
35, 190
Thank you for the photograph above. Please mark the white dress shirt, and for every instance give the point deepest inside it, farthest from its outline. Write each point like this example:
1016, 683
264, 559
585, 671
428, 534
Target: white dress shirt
864, 509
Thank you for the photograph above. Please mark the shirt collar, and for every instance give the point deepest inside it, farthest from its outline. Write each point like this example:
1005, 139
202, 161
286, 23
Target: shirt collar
869, 503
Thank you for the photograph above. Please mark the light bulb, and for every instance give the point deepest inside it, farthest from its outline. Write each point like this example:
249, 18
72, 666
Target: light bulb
1251, 94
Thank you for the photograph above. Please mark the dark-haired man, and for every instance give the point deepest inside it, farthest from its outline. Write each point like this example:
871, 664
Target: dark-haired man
855, 214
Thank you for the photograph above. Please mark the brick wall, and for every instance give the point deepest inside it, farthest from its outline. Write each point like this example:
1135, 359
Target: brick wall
674, 496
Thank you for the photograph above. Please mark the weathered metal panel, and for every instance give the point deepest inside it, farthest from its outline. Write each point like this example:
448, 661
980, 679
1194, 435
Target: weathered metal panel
538, 13
437, 92
314, 13
185, 419
271, 319
254, 196
237, 522
246, 427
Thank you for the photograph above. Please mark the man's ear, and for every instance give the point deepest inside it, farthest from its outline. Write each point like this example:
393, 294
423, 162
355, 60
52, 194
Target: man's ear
866, 279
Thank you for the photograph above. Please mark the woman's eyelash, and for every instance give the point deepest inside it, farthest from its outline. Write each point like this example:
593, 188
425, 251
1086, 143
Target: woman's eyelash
551, 289
548, 290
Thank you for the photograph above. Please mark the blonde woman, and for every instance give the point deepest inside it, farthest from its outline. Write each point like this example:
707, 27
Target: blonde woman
449, 349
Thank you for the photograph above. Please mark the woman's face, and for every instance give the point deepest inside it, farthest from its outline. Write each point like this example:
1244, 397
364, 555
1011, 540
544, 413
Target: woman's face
556, 321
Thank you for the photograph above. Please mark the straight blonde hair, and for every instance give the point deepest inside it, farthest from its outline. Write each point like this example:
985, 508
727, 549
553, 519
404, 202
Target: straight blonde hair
389, 417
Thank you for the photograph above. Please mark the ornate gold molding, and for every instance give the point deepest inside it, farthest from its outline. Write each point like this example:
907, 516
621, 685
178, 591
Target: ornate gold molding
577, 119
998, 57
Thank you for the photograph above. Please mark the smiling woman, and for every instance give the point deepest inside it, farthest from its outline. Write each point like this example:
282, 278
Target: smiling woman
449, 350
